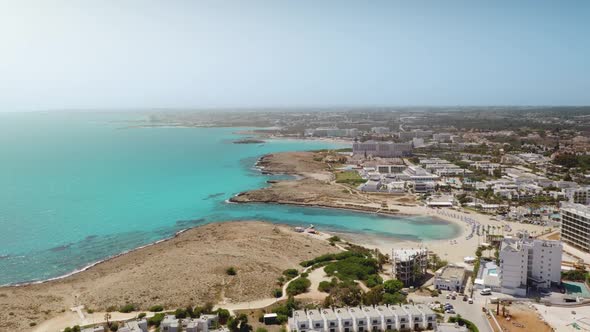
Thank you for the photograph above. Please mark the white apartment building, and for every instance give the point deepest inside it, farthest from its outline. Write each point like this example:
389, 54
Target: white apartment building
170, 324
364, 319
526, 262
139, 325
575, 225
380, 130
382, 149
450, 277
388, 169
579, 195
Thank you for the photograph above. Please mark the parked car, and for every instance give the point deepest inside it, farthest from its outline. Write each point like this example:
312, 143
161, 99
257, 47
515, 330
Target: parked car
450, 311
470, 301
465, 297
486, 291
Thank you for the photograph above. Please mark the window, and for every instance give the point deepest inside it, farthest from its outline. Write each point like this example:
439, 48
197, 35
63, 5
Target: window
317, 324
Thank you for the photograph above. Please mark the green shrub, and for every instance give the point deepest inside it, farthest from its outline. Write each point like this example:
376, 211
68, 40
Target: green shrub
141, 315
156, 308
282, 319
127, 308
373, 280
277, 292
392, 286
393, 298
75, 328
574, 275
156, 319
223, 315
326, 286
335, 238
261, 329
231, 271
352, 268
286, 309
298, 286
290, 273
180, 313
331, 257
464, 322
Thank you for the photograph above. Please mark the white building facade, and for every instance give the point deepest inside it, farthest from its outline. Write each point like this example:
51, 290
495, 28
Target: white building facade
526, 262
575, 225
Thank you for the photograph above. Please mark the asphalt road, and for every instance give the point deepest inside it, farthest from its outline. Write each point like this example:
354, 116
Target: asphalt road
468, 311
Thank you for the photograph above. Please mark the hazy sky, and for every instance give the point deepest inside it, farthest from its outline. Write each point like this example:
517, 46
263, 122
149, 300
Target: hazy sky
130, 54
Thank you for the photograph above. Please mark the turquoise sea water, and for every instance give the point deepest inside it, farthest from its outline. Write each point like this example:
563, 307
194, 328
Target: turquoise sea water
76, 188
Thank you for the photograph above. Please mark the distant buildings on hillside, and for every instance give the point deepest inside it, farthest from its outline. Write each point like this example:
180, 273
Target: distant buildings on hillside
382, 149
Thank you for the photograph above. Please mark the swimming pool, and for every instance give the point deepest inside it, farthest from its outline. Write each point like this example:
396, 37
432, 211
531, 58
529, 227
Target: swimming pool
576, 288
493, 272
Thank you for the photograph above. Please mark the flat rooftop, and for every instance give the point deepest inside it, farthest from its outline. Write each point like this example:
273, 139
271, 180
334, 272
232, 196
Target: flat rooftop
342, 313
399, 311
357, 312
407, 254
452, 272
371, 312
329, 314
425, 309
412, 310
314, 315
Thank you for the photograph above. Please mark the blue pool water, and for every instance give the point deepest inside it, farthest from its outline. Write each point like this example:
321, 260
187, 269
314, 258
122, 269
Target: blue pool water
576, 288
77, 188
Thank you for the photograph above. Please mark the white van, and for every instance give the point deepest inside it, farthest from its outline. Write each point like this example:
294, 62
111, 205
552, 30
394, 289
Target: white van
486, 291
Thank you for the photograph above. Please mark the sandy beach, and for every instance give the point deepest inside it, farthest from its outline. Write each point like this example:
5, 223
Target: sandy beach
452, 250
188, 269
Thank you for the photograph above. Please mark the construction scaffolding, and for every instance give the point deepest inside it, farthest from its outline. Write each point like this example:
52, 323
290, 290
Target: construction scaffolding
409, 265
